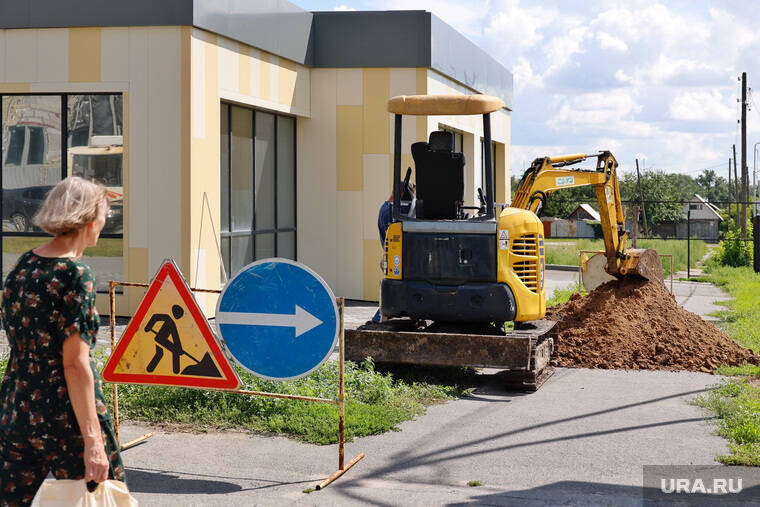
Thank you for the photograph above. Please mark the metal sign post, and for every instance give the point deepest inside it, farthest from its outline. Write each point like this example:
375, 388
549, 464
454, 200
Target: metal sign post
340, 402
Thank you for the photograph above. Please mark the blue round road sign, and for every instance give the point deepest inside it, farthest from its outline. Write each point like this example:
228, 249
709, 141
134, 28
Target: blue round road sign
278, 319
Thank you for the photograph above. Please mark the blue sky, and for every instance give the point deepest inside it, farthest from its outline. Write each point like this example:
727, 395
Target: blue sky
653, 80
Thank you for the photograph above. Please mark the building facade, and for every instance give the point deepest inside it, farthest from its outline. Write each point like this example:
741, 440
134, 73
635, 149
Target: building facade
227, 133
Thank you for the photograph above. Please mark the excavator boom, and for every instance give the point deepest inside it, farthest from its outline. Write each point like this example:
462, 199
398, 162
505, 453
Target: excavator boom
549, 174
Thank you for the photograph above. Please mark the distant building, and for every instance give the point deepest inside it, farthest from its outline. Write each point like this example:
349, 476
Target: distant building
584, 212
703, 218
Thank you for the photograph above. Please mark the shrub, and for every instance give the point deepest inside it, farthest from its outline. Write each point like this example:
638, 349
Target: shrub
732, 251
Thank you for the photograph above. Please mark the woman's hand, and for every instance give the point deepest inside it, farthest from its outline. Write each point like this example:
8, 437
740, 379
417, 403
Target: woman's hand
96, 463
81, 386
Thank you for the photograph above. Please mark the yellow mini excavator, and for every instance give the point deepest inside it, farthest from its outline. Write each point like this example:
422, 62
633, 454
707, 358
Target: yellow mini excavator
455, 274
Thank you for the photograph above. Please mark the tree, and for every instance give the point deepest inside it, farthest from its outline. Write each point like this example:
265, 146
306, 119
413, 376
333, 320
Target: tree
684, 185
563, 202
712, 187
662, 198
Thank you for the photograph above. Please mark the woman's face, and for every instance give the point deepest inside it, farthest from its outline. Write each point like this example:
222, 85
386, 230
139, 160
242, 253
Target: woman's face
94, 228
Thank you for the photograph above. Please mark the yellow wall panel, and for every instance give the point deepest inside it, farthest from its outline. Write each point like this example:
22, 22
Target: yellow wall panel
245, 73
84, 54
287, 82
348, 132
422, 75
501, 185
372, 274
14, 87
376, 91
264, 79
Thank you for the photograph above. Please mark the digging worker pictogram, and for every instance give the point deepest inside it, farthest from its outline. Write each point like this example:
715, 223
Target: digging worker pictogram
167, 337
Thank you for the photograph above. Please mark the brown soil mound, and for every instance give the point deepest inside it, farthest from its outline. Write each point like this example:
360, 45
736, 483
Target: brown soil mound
636, 324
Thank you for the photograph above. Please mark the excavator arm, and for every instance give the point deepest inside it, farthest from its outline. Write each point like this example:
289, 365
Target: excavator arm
549, 174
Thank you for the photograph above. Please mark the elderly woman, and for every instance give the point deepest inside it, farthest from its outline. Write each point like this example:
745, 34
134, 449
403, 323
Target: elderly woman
53, 416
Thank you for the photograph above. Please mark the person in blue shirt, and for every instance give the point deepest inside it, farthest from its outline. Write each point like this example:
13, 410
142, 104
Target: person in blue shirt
384, 220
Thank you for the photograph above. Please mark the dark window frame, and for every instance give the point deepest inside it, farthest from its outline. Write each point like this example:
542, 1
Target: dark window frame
253, 232
64, 162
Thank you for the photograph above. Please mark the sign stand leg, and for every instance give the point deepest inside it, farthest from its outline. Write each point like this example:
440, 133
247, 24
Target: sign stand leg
341, 411
112, 300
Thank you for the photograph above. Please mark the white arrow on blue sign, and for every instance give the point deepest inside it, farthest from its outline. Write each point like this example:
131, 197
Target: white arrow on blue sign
278, 319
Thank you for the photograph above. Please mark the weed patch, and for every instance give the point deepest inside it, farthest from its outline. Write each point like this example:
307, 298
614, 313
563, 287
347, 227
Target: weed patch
736, 404
741, 319
376, 403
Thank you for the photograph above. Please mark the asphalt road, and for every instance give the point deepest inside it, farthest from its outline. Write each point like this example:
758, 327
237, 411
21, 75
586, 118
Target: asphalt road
582, 439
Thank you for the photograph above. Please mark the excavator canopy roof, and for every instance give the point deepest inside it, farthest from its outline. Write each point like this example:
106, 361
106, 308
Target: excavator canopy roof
444, 104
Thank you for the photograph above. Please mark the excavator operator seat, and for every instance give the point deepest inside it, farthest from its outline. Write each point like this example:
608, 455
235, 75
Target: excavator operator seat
440, 177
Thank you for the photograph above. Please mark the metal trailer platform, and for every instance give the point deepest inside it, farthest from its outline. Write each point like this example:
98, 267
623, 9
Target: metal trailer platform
524, 352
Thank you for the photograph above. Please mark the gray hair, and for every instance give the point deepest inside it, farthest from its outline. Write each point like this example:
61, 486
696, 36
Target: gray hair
70, 205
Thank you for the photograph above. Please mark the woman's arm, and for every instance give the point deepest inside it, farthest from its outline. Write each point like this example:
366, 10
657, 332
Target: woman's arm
81, 386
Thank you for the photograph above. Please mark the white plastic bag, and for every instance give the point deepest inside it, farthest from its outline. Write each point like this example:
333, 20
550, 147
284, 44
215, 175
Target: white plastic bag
69, 493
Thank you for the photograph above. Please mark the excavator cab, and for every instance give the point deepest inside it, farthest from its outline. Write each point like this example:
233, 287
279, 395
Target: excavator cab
449, 262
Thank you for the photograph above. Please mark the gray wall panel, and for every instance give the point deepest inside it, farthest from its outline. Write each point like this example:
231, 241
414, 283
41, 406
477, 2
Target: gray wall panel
371, 39
56, 13
276, 26
319, 39
455, 56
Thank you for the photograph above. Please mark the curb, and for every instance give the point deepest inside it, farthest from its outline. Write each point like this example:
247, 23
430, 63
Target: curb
561, 267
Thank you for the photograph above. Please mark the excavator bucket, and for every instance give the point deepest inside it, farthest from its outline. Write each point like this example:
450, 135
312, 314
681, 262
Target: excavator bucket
642, 262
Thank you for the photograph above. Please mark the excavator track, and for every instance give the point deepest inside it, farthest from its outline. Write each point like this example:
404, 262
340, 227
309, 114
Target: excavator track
524, 353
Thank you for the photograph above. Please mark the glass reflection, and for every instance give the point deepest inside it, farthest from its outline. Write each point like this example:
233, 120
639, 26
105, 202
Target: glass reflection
31, 149
96, 147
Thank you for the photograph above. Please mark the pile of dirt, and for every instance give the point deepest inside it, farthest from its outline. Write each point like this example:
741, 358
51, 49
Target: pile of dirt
638, 325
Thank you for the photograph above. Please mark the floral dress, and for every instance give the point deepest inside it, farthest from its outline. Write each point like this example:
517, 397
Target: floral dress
45, 300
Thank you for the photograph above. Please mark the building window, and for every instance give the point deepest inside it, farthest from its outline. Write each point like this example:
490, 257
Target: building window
458, 138
258, 186
44, 139
695, 206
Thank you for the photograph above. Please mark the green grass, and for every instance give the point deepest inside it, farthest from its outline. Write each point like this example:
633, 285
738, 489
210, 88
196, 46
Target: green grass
566, 252
106, 247
563, 295
741, 318
376, 403
474, 484
735, 403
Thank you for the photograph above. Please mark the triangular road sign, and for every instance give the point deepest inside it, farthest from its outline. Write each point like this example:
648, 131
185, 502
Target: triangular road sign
169, 341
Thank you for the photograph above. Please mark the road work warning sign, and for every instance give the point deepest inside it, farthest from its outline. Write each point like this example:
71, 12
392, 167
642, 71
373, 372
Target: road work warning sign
169, 341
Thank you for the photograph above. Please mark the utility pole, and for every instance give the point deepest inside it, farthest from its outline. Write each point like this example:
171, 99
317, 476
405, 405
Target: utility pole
736, 182
643, 209
745, 173
730, 187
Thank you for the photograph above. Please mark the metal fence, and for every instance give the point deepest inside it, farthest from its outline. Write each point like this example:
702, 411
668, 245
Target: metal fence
688, 228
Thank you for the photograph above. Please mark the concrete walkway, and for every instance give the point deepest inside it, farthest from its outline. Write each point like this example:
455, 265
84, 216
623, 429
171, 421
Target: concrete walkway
582, 439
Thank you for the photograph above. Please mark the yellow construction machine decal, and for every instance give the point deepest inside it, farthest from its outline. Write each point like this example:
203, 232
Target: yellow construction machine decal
521, 264
393, 251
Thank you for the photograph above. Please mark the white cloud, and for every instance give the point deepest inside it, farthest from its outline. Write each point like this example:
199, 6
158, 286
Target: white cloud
519, 28
622, 77
343, 8
651, 78
701, 105
607, 41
